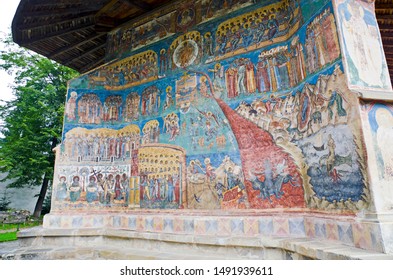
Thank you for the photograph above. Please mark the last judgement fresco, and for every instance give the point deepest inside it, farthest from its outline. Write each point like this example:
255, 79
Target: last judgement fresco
204, 111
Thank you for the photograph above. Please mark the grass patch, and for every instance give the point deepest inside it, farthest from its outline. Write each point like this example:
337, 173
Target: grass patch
8, 226
8, 236
24, 225
13, 229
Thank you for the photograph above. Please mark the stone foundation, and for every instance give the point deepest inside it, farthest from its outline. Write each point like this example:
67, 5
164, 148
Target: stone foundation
274, 235
348, 230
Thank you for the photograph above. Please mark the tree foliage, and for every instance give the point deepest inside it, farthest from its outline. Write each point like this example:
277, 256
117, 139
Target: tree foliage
32, 121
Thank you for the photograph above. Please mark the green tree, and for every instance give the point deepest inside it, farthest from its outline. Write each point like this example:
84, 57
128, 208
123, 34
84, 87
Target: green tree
32, 121
4, 201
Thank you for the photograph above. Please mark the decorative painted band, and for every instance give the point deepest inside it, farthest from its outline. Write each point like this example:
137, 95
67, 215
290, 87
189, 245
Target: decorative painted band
347, 230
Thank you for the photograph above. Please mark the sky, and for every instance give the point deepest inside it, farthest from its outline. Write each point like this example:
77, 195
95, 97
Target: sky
7, 13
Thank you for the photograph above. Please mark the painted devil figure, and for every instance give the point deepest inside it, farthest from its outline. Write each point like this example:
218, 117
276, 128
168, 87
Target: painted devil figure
271, 185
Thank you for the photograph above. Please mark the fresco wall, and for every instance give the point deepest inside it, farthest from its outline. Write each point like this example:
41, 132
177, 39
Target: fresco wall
377, 117
365, 59
216, 105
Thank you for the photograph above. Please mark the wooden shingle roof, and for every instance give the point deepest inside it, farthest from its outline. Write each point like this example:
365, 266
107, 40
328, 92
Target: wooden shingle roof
384, 12
74, 32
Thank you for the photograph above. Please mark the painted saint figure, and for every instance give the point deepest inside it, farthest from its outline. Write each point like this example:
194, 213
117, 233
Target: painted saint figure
210, 175
262, 78
144, 189
272, 26
61, 192
250, 77
336, 100
163, 61
118, 188
168, 98
125, 186
208, 44
171, 189
232, 82
380, 119
92, 190
329, 27
75, 189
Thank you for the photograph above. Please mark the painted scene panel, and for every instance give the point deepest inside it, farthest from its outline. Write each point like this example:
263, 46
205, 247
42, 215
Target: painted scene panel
248, 108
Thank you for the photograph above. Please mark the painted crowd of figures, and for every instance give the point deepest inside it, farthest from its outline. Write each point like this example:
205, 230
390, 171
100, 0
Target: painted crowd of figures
302, 113
239, 33
100, 147
151, 178
98, 189
90, 110
137, 36
160, 189
254, 28
116, 188
322, 45
130, 71
276, 70
286, 66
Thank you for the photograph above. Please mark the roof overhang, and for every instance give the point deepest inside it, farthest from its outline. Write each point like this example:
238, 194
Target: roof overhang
74, 32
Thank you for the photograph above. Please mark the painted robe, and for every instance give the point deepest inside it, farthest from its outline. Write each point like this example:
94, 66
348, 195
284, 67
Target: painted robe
231, 82
263, 82
250, 78
331, 37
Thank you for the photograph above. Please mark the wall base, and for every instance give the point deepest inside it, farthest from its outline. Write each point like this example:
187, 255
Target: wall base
43, 244
191, 235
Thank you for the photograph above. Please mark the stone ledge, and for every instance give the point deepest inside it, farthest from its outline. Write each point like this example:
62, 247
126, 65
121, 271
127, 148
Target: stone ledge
40, 243
349, 230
